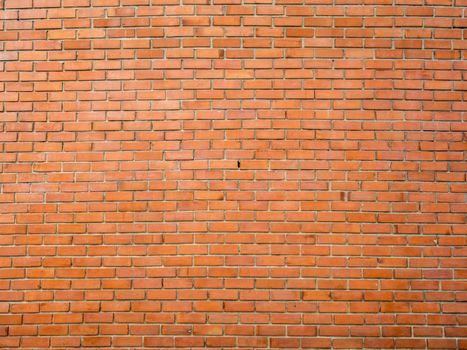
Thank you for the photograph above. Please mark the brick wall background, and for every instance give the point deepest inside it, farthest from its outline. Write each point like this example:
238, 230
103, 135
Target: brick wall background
232, 174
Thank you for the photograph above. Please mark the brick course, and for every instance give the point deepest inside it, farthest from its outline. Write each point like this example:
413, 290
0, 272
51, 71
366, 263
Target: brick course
233, 174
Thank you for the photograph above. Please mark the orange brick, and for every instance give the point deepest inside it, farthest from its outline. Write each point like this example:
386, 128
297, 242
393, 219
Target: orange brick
221, 175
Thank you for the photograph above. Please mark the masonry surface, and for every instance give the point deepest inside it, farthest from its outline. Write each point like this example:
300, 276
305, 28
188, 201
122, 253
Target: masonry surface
253, 174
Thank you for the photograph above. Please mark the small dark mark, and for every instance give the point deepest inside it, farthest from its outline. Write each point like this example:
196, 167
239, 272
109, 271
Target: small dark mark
238, 164
221, 53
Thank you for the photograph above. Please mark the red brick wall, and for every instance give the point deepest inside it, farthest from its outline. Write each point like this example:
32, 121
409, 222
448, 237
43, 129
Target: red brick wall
286, 174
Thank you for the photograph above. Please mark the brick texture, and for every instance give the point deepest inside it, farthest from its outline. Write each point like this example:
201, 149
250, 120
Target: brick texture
253, 174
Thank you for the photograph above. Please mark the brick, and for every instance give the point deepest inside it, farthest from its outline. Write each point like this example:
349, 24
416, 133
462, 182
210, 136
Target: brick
224, 175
